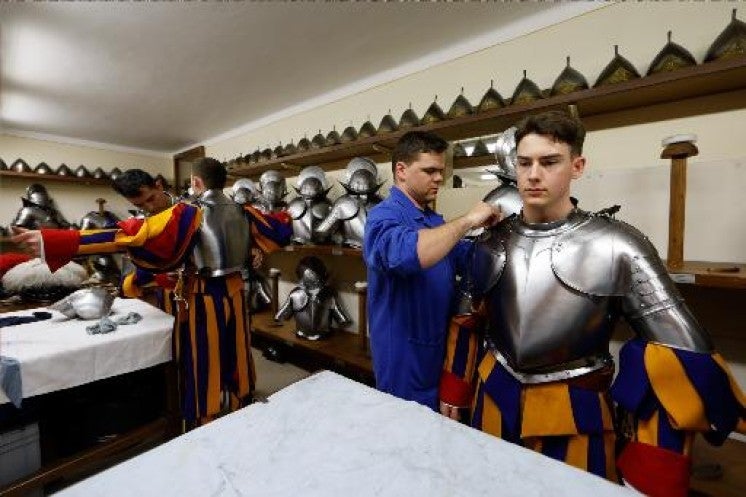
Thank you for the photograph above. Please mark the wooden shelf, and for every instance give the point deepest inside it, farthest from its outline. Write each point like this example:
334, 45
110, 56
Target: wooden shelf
340, 349
721, 76
479, 161
55, 177
710, 274
323, 250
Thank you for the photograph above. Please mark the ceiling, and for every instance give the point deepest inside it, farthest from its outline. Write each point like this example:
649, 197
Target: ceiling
164, 76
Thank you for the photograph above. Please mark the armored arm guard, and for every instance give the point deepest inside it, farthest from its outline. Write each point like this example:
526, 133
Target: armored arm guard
338, 312
290, 306
630, 268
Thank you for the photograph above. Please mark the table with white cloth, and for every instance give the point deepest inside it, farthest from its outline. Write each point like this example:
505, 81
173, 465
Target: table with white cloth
59, 354
330, 436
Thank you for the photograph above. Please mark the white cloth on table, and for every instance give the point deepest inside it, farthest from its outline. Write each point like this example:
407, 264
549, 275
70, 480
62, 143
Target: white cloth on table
58, 353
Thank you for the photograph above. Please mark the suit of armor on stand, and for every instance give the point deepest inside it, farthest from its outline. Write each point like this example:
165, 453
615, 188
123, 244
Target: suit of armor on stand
311, 206
349, 212
313, 304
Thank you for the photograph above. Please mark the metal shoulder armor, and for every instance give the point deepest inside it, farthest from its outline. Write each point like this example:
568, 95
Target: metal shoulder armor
604, 257
346, 207
507, 198
490, 255
296, 208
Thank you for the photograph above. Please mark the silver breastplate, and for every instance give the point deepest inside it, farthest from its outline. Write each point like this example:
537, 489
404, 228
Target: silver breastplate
313, 312
306, 217
222, 245
535, 321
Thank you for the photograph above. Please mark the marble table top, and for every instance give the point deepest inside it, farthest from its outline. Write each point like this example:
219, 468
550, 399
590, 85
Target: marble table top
330, 436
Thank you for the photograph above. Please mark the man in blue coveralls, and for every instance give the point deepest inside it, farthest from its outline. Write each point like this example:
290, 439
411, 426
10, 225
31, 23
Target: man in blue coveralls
412, 257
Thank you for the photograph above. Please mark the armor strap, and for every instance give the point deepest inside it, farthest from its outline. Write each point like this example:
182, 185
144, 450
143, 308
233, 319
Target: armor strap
560, 372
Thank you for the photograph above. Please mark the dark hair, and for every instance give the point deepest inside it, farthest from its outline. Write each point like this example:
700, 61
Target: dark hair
414, 143
128, 183
211, 171
559, 125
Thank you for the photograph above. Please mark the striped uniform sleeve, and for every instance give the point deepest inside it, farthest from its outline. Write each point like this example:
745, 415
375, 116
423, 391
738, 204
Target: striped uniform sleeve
463, 349
158, 243
270, 231
672, 394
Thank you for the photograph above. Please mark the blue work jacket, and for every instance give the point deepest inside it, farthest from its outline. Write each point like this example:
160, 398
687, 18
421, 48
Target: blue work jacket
408, 307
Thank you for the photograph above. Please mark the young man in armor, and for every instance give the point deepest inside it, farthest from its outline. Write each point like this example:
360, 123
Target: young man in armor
533, 362
412, 256
209, 243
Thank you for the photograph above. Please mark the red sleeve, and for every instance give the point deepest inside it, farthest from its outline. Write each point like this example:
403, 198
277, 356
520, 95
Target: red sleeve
60, 246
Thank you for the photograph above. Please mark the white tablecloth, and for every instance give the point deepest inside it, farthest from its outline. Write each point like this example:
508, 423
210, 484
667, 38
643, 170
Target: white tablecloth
58, 353
330, 436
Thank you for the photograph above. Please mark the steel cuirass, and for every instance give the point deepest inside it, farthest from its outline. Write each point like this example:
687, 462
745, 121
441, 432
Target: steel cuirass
223, 239
553, 292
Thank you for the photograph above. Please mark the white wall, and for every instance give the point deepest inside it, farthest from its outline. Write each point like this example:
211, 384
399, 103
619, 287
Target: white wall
73, 200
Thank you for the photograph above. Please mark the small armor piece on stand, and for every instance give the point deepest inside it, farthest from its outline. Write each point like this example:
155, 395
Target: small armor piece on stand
290, 149
617, 71
348, 135
480, 149
63, 170
525, 92
332, 138
82, 172
114, 174
313, 303
20, 166
99, 173
460, 107
730, 43
367, 130
350, 211
568, 81
434, 113
409, 119
491, 99
3, 165
304, 145
38, 210
272, 190
671, 57
318, 141
311, 206
388, 124
43, 168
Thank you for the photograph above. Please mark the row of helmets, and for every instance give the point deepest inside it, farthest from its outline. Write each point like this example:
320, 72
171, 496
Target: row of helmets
316, 220
20, 166
730, 43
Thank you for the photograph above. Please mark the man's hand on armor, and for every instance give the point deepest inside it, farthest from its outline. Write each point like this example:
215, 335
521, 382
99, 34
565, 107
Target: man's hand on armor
31, 239
484, 215
449, 411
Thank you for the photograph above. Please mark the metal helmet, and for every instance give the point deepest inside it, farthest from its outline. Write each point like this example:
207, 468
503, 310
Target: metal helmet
506, 155
272, 186
361, 176
312, 183
37, 194
244, 191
